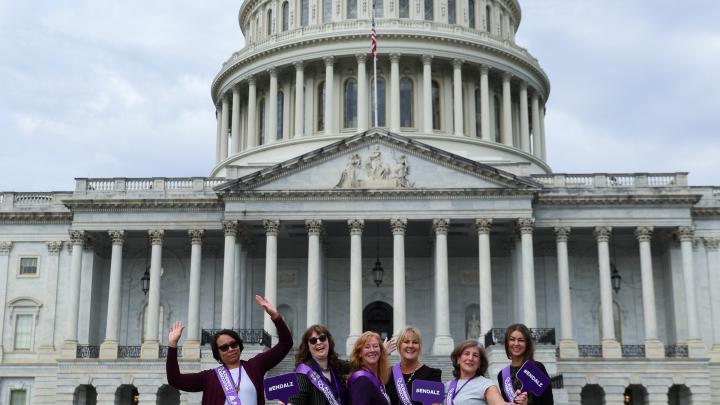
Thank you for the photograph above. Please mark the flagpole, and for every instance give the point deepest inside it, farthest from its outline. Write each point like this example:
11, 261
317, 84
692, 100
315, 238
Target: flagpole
374, 55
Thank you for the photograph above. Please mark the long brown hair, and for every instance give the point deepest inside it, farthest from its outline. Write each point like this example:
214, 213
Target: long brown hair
529, 345
303, 354
356, 362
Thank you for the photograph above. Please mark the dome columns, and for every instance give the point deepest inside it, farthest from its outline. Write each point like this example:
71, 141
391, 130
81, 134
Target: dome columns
457, 97
362, 93
484, 104
272, 116
395, 92
299, 99
524, 118
427, 94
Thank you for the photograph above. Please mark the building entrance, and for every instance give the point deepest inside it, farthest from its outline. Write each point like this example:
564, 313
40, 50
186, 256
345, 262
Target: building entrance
378, 317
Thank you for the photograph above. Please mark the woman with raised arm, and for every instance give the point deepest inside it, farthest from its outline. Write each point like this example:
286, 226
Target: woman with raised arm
519, 348
370, 369
235, 381
409, 369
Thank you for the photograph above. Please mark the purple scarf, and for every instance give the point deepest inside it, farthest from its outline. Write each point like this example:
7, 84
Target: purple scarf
376, 381
400, 385
319, 381
228, 384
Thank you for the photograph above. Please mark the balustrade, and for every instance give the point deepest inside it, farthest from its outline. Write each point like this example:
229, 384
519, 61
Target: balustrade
128, 352
676, 351
87, 352
590, 350
633, 350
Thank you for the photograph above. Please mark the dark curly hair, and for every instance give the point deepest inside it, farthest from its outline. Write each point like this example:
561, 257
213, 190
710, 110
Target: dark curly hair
529, 345
303, 354
214, 345
458, 351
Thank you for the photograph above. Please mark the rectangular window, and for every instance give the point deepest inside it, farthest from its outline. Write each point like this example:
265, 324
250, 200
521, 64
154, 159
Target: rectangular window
23, 332
28, 266
18, 397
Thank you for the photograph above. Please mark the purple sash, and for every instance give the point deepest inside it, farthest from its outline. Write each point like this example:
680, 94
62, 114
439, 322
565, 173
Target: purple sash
319, 381
400, 385
376, 381
228, 385
507, 385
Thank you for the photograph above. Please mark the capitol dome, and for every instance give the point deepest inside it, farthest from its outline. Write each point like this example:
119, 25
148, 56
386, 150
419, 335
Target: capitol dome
449, 74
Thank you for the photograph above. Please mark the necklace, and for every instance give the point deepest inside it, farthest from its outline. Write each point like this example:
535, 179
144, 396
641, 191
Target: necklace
412, 374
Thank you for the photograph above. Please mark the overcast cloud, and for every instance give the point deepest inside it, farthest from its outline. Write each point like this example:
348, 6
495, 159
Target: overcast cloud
121, 89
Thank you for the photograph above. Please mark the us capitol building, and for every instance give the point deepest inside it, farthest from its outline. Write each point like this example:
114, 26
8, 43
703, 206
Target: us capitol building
446, 216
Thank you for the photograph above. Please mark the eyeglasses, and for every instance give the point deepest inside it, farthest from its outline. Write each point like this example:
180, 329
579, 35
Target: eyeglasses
228, 346
314, 340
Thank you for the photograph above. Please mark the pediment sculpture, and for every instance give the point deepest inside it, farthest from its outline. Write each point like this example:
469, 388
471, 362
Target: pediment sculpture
374, 171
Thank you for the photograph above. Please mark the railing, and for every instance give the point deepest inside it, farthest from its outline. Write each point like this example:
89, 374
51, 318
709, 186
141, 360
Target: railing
541, 336
147, 185
101, 185
128, 352
633, 350
251, 336
590, 350
164, 351
87, 352
613, 180
676, 351
33, 198
557, 382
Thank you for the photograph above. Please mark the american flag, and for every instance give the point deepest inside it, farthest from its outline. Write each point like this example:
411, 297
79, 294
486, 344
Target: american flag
373, 35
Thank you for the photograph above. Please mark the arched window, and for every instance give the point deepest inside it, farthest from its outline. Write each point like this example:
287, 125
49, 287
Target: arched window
451, 11
269, 22
321, 106
305, 14
380, 101
379, 9
351, 8
327, 11
478, 114
429, 13
261, 121
471, 13
436, 105
406, 103
285, 16
404, 9
280, 112
258, 27
488, 18
350, 110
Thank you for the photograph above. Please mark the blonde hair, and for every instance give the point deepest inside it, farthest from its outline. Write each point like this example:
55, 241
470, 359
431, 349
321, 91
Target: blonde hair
356, 362
409, 330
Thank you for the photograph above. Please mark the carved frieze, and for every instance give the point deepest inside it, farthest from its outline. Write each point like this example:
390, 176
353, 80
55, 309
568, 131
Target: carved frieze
374, 171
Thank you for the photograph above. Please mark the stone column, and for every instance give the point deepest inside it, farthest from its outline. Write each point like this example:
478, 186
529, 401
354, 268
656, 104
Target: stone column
568, 344
484, 225
484, 104
218, 134
46, 350
506, 128
224, 119
696, 347
252, 136
329, 101
235, 131
526, 225
457, 98
362, 107
108, 349
427, 94
5, 248
524, 118
537, 142
69, 348
398, 227
151, 345
299, 99
191, 347
712, 247
443, 343
272, 228
272, 116
543, 152
394, 92
314, 286
610, 346
356, 228
226, 312
654, 349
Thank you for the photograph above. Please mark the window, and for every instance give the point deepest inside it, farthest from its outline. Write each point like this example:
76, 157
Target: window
435, 105
261, 122
380, 101
404, 9
406, 102
321, 107
496, 105
350, 110
429, 10
280, 112
285, 16
23, 332
478, 114
379, 9
327, 11
28, 266
18, 397
351, 8
471, 13
451, 11
305, 15
488, 18
269, 22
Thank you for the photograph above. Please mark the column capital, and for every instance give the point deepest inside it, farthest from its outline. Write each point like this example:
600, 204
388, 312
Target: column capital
329, 60
117, 236
602, 233
272, 71
644, 233
685, 233
398, 226
77, 237
483, 225
441, 225
394, 57
230, 228
272, 227
196, 236
226, 98
484, 69
5, 248
562, 233
506, 77
156, 236
236, 89
523, 85
251, 80
53, 247
712, 243
457, 63
356, 226
427, 59
361, 57
313, 226
526, 225
299, 65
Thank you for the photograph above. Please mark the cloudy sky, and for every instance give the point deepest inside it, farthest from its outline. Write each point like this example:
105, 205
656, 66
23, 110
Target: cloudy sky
98, 88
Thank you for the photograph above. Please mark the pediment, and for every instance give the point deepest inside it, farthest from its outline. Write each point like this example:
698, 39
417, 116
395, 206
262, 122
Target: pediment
377, 160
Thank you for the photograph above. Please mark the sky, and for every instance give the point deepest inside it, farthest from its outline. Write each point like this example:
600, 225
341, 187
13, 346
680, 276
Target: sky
98, 88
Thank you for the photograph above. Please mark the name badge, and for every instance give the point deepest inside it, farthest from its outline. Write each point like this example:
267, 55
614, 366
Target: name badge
281, 387
533, 379
428, 392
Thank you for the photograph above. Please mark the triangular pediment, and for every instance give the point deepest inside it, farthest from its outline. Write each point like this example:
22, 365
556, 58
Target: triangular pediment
378, 160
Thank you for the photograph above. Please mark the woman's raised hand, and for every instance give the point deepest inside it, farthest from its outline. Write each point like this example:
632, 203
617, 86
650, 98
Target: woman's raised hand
390, 345
267, 306
176, 331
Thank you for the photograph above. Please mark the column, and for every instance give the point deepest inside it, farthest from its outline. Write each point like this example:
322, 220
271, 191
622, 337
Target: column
610, 346
314, 286
218, 134
5, 248
272, 116
191, 347
108, 349
654, 349
151, 345
696, 347
427, 94
251, 108
443, 344
77, 239
394, 92
712, 247
537, 143
238, 291
226, 312
356, 228
457, 97
329, 102
398, 227
484, 104
272, 227
506, 127
543, 152
235, 131
484, 225
362, 100
46, 350
568, 344
527, 270
224, 123
524, 119
299, 99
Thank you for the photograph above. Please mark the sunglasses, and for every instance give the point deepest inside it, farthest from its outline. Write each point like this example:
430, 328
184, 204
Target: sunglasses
314, 340
228, 346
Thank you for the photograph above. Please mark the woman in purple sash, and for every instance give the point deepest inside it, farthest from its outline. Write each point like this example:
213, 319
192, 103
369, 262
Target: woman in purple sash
320, 373
370, 369
235, 381
470, 386
409, 369
519, 348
